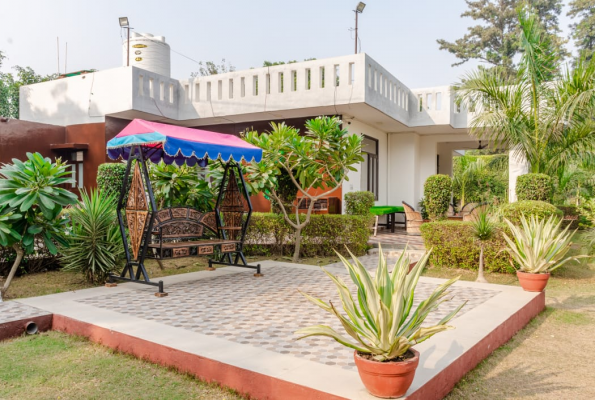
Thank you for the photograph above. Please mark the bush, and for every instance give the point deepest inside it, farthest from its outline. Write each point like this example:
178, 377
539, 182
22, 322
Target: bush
95, 245
359, 203
437, 191
454, 246
534, 187
269, 234
110, 177
541, 209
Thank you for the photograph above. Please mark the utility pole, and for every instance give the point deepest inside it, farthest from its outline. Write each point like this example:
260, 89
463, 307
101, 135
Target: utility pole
358, 10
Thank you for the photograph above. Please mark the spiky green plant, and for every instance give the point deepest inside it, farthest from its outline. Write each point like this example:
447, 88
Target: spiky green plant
484, 227
538, 246
382, 320
95, 243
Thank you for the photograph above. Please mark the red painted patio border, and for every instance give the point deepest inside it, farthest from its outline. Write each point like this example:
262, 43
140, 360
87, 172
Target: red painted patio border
12, 329
244, 381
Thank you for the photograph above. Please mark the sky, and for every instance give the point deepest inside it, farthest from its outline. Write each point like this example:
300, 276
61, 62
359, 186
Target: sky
399, 34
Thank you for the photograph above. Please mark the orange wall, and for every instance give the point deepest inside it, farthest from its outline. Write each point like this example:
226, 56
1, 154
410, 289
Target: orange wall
94, 136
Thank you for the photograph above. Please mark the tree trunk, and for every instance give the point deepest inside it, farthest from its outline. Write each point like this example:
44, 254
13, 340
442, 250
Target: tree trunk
480, 277
298, 244
13, 270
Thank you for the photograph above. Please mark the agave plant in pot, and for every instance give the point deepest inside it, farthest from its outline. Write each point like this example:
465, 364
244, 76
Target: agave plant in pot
382, 322
538, 247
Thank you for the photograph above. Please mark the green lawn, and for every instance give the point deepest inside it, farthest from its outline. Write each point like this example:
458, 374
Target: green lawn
54, 365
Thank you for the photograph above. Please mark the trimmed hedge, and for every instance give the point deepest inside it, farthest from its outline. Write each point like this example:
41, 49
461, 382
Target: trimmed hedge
541, 209
453, 246
359, 203
269, 234
110, 177
534, 187
437, 191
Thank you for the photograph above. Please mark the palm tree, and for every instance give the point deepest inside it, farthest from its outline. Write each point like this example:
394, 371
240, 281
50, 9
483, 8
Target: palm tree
484, 228
541, 114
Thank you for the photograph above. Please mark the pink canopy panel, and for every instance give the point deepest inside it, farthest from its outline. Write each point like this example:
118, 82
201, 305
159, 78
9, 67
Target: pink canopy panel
179, 144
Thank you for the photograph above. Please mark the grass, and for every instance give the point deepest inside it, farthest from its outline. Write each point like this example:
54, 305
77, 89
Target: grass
54, 365
551, 357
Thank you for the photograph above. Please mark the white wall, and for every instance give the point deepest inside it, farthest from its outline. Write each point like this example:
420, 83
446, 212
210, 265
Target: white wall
354, 183
78, 100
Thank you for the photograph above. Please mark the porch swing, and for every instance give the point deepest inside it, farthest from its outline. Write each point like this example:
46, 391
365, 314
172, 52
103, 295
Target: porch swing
180, 231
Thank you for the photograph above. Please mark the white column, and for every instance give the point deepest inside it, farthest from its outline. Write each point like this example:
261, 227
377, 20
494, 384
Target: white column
517, 165
403, 169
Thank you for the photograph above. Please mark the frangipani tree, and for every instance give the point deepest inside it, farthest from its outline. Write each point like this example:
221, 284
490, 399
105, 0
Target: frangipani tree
543, 114
31, 204
320, 158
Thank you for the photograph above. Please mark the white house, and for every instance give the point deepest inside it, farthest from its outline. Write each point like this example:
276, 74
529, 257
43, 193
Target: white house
410, 134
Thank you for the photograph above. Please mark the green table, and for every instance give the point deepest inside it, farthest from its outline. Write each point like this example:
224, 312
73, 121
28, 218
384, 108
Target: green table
390, 212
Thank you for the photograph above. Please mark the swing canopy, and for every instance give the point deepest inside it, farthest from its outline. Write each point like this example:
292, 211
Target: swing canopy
179, 144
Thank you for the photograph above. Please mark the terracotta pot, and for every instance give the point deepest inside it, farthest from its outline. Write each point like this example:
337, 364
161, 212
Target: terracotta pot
533, 282
388, 380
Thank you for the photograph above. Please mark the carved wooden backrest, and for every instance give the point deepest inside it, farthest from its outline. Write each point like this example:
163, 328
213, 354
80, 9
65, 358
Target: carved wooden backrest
137, 210
183, 222
233, 207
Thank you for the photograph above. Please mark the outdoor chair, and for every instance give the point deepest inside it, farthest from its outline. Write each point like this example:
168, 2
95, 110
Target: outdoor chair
474, 212
413, 219
466, 209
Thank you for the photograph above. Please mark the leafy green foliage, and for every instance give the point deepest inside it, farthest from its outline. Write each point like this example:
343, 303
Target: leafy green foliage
534, 187
270, 234
180, 186
541, 113
539, 209
484, 226
437, 191
95, 245
582, 31
539, 245
383, 321
454, 245
495, 41
359, 203
480, 178
31, 189
110, 177
317, 159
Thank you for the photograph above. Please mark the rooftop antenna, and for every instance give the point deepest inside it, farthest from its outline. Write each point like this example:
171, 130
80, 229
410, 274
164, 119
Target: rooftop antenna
58, 52
66, 58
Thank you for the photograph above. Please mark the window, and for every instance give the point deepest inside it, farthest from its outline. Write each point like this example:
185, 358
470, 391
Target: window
280, 82
255, 85
219, 90
369, 168
308, 76
322, 77
231, 88
268, 83
196, 92
428, 100
171, 93
421, 102
76, 168
187, 93
208, 91
141, 89
151, 88
351, 73
161, 91
337, 75
243, 87
438, 101
293, 81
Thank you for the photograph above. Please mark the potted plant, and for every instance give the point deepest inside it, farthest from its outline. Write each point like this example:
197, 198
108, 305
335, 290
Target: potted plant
382, 322
538, 246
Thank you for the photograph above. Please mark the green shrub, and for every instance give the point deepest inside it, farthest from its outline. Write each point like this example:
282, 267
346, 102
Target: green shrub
454, 246
541, 209
359, 203
110, 177
95, 244
269, 234
437, 191
534, 187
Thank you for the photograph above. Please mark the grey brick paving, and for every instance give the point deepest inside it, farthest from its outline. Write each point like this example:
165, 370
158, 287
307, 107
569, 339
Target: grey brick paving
13, 311
263, 312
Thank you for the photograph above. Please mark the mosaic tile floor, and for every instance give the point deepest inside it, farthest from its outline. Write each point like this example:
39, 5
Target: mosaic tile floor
397, 240
263, 312
13, 311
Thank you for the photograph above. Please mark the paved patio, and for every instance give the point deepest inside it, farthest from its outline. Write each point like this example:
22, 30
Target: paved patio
231, 327
397, 240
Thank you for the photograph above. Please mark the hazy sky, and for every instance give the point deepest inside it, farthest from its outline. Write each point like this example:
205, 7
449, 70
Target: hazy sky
399, 34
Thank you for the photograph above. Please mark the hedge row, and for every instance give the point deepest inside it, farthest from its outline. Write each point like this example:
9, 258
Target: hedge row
359, 202
453, 246
110, 177
534, 187
269, 234
541, 209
